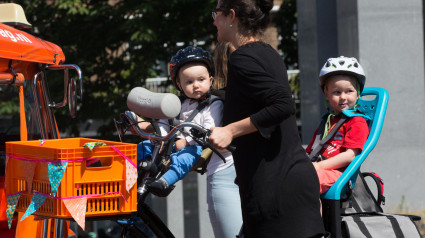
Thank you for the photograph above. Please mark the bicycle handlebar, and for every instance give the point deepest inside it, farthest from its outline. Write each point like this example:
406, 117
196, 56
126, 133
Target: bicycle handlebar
200, 134
131, 116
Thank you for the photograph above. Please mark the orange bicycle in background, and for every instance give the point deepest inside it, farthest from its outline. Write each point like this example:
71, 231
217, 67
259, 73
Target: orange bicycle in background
25, 105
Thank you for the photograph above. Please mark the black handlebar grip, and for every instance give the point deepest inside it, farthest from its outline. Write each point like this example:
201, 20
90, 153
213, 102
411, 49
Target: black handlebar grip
231, 148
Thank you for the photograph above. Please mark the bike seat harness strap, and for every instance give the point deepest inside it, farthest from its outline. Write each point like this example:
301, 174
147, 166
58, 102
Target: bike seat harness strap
319, 143
207, 100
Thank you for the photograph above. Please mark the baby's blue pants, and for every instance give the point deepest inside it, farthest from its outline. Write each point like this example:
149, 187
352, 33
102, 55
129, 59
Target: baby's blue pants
182, 161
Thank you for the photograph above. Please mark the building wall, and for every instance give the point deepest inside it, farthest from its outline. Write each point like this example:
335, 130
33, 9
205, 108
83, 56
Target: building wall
387, 38
391, 49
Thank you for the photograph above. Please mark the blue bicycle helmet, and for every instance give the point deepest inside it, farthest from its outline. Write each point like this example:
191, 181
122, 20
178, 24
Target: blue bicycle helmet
188, 55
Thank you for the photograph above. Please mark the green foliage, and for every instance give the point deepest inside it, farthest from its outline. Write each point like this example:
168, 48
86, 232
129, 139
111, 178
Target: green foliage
8, 108
120, 43
294, 83
72, 7
116, 45
9, 101
286, 21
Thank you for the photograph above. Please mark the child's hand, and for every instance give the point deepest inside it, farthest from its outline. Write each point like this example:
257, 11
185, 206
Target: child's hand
146, 126
143, 125
181, 143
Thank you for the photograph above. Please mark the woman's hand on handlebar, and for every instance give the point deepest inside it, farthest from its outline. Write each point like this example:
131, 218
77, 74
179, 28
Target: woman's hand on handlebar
220, 137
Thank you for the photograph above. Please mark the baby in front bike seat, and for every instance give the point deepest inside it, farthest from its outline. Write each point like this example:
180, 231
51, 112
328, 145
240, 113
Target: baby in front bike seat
342, 80
191, 71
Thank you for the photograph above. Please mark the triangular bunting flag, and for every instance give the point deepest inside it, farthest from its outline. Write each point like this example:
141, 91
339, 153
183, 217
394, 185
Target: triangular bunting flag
56, 171
91, 145
77, 209
12, 201
131, 173
36, 202
29, 169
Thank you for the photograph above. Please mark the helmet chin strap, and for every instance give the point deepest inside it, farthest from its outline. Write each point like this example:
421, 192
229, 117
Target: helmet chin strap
328, 119
205, 96
358, 95
328, 124
201, 99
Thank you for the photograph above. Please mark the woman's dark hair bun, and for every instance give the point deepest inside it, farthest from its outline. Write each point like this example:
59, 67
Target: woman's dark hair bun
265, 5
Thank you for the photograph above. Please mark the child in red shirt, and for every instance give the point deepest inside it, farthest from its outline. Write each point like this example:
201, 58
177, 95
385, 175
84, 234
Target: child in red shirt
342, 80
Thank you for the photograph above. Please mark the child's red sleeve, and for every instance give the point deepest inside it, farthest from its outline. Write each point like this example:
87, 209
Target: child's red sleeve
357, 132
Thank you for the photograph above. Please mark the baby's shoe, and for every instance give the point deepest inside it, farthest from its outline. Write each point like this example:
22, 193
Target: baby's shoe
158, 187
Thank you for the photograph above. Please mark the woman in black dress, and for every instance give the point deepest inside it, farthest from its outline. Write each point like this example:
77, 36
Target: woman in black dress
278, 185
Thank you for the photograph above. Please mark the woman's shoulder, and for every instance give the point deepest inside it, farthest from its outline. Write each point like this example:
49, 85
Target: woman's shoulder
252, 46
256, 51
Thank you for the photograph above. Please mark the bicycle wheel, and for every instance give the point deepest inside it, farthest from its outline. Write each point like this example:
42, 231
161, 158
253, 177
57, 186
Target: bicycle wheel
133, 232
134, 227
152, 220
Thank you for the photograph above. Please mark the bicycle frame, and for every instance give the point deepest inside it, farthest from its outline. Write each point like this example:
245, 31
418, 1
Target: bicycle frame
158, 155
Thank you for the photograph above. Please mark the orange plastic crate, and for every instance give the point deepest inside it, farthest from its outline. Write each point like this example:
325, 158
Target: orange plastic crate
77, 180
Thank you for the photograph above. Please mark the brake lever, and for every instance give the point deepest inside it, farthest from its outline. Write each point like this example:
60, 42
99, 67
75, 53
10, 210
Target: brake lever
197, 135
230, 147
216, 151
206, 144
121, 126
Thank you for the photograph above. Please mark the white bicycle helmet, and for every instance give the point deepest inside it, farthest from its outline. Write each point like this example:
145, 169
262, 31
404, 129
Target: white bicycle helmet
342, 65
